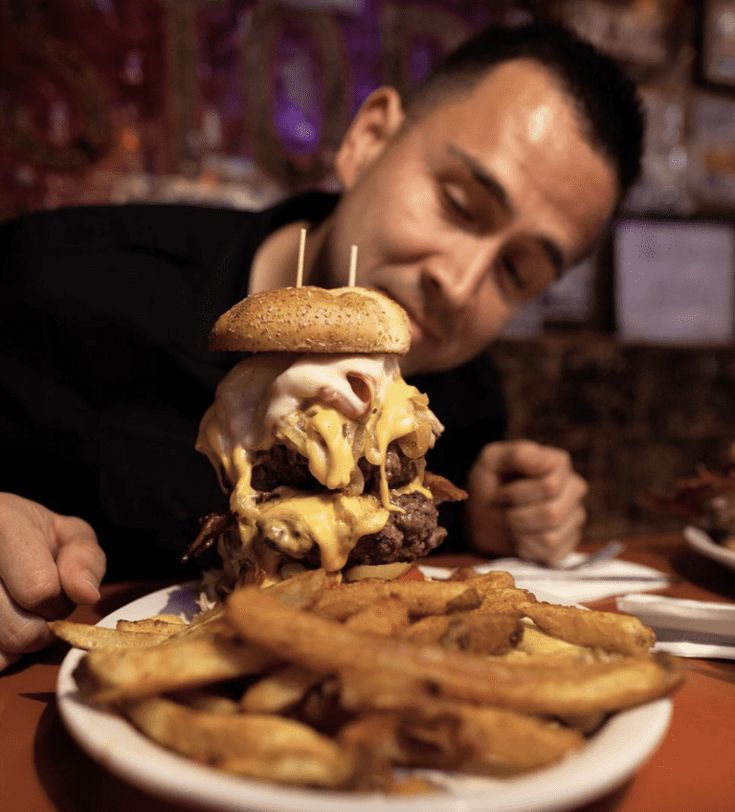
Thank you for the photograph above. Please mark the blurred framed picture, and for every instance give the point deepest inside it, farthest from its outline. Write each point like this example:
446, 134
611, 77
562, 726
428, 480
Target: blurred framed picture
674, 281
717, 43
644, 36
711, 164
663, 185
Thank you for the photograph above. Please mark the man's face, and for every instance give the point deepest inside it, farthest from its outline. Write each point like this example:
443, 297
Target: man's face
470, 211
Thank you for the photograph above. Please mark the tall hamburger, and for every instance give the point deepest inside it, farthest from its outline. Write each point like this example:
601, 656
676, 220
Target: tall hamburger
317, 439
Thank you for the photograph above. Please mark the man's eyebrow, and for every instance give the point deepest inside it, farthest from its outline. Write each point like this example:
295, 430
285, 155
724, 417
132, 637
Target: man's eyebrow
485, 178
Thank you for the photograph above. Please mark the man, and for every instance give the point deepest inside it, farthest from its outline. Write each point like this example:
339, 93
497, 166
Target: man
467, 202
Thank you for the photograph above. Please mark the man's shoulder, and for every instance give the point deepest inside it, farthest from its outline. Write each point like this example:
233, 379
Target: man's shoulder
134, 223
173, 227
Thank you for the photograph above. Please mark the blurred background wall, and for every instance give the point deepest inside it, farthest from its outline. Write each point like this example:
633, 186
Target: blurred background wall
629, 362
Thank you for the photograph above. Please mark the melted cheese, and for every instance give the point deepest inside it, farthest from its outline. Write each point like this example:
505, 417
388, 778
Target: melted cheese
324, 437
396, 418
334, 521
415, 486
274, 398
234, 425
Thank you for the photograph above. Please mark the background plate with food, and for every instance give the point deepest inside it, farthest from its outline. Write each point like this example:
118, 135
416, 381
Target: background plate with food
705, 545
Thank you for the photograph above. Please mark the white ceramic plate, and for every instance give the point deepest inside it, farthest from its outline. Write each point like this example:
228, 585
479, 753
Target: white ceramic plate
701, 542
611, 756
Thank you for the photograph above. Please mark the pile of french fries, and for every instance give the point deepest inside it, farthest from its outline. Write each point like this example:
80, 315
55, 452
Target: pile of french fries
315, 682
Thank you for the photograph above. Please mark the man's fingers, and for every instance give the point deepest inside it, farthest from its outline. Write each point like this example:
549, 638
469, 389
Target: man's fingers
522, 459
46, 562
540, 515
530, 494
528, 491
80, 560
551, 545
20, 630
27, 566
7, 659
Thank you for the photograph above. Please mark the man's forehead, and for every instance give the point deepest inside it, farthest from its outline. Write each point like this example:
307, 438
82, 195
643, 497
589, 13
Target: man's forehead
514, 107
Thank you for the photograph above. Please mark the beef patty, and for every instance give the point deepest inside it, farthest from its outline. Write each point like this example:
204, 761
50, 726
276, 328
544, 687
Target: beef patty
282, 465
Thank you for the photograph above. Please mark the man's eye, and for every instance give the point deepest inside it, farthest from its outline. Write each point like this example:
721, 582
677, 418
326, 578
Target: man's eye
513, 273
456, 208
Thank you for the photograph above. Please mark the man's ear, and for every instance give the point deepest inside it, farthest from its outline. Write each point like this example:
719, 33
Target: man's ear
376, 122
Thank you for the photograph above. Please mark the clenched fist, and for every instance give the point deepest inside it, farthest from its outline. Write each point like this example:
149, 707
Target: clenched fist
526, 500
48, 563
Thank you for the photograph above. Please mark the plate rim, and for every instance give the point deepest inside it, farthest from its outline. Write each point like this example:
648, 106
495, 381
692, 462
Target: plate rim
207, 787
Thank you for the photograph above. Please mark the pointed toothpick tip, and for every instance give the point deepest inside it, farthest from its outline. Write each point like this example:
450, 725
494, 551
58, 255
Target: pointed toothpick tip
300, 265
353, 266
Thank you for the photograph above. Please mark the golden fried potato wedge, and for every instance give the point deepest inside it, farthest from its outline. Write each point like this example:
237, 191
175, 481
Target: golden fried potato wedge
611, 631
452, 735
85, 636
327, 647
421, 597
486, 740
279, 691
506, 600
187, 662
484, 582
546, 649
258, 745
476, 632
384, 617
152, 625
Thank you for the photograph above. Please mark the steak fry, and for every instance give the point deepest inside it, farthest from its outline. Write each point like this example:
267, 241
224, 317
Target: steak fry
611, 631
327, 647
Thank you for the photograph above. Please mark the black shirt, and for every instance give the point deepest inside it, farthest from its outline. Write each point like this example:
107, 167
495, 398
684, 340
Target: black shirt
105, 372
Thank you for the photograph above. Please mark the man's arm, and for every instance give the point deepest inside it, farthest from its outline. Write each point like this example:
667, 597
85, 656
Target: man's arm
48, 563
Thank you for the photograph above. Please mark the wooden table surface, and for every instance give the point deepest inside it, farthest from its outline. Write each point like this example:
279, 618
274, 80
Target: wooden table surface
43, 769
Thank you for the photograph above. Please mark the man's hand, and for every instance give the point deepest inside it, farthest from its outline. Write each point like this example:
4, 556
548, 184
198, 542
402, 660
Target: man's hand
526, 500
48, 563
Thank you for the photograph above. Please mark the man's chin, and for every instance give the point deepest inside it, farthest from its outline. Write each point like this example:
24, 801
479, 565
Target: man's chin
423, 357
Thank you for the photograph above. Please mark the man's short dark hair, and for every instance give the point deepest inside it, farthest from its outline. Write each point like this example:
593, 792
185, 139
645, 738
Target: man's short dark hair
605, 97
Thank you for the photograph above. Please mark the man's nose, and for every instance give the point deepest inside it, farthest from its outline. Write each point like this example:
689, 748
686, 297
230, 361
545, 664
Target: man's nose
454, 278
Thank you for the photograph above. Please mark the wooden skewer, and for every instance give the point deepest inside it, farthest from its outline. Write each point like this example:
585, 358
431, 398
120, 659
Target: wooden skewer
353, 266
300, 265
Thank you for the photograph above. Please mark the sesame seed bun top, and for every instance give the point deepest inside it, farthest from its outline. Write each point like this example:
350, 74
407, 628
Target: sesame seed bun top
314, 320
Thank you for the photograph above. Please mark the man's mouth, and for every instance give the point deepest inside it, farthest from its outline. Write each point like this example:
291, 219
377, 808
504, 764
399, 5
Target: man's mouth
421, 330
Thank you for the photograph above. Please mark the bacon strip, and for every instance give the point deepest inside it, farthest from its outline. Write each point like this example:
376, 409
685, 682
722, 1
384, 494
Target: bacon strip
211, 527
442, 489
362, 386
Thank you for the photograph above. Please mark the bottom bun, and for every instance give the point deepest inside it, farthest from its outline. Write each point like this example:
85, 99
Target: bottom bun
385, 572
